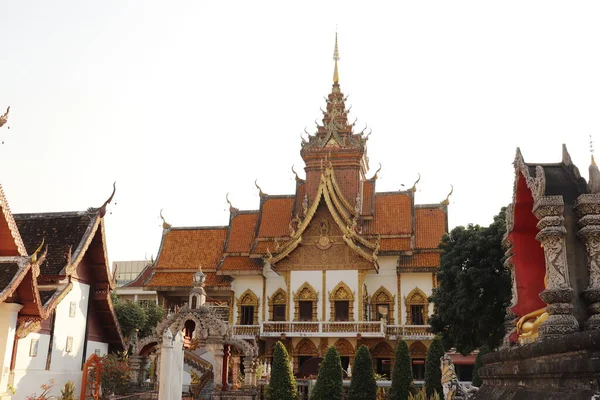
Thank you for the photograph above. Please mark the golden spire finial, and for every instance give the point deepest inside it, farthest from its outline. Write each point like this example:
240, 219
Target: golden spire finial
336, 57
592, 150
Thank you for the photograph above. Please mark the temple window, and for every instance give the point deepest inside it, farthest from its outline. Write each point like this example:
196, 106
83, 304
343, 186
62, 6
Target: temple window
247, 304
247, 315
342, 310
305, 303
417, 308
341, 300
382, 305
278, 306
306, 310
194, 301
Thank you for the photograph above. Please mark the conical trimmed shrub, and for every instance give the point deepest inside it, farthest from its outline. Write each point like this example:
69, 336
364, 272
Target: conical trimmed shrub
329, 384
433, 374
402, 377
283, 384
363, 385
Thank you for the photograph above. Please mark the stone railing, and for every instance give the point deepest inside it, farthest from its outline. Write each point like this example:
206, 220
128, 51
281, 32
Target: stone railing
246, 331
408, 331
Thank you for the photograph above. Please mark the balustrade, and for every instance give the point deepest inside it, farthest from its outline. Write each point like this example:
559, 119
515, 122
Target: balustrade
332, 329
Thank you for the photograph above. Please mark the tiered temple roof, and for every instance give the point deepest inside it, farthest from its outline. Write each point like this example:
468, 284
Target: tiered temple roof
370, 224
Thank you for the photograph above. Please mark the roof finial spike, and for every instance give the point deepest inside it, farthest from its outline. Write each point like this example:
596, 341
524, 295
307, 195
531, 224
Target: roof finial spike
592, 150
34, 256
336, 57
446, 201
260, 192
165, 224
232, 209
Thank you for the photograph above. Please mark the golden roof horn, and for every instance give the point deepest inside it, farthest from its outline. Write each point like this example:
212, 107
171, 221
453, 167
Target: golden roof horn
34, 256
446, 201
165, 224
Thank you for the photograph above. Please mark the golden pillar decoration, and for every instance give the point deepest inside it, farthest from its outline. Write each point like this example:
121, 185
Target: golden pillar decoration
361, 282
324, 286
399, 282
286, 278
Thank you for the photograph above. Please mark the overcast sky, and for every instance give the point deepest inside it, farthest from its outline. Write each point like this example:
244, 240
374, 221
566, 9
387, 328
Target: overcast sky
181, 102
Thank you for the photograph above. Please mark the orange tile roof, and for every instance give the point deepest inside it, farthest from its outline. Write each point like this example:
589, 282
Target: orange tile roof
394, 244
189, 248
185, 279
276, 214
262, 246
392, 214
420, 260
430, 227
232, 263
367, 205
241, 232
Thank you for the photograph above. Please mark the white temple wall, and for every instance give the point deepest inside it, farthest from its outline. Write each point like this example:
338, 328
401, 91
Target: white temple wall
386, 278
410, 281
8, 316
297, 278
242, 283
350, 278
96, 347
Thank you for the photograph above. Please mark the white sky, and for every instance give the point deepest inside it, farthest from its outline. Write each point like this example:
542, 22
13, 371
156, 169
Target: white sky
181, 102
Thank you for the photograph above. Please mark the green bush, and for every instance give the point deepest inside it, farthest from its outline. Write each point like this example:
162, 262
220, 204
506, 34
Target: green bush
283, 384
114, 375
402, 378
363, 385
329, 384
433, 374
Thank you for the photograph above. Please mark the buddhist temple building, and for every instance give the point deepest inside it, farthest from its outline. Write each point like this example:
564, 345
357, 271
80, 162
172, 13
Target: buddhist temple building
334, 263
55, 304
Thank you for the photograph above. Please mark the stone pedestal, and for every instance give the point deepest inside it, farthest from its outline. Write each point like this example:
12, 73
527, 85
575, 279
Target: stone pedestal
235, 371
135, 369
556, 368
248, 372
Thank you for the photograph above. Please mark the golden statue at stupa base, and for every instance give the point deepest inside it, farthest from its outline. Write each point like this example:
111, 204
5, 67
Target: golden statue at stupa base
528, 325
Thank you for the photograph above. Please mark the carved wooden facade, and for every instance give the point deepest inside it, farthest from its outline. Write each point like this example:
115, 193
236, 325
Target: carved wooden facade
279, 297
248, 298
341, 293
416, 298
305, 293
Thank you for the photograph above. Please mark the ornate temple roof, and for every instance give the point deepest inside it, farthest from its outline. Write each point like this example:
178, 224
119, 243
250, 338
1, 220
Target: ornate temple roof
57, 244
336, 189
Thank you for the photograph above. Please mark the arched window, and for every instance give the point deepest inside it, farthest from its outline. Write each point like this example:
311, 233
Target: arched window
417, 308
194, 301
304, 351
346, 350
247, 308
383, 358
382, 305
278, 306
341, 301
305, 303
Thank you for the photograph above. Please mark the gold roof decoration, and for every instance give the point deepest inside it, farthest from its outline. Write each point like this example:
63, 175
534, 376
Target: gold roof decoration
232, 209
446, 201
260, 192
4, 117
34, 256
414, 186
336, 57
165, 224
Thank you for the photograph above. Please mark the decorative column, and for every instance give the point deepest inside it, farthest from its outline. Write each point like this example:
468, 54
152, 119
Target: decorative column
558, 294
588, 209
510, 319
248, 372
216, 349
226, 354
166, 366
235, 371
135, 368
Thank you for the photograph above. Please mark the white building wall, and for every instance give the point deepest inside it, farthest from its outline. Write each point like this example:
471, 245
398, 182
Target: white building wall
333, 278
242, 283
410, 281
30, 372
274, 281
93, 346
8, 316
297, 279
387, 278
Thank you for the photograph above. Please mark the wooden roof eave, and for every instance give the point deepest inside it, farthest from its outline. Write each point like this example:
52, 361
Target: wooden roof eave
24, 266
75, 257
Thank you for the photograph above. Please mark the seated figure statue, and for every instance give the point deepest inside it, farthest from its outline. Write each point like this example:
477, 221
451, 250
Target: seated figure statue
528, 325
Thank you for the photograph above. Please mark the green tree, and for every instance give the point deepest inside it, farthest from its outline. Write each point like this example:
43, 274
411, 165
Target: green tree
474, 287
154, 314
330, 384
114, 375
131, 316
362, 385
476, 379
283, 384
402, 378
433, 374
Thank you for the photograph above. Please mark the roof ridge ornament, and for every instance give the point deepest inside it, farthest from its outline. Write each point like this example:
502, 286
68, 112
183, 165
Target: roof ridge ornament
260, 192
376, 173
34, 256
414, 186
232, 209
593, 162
102, 210
165, 224
4, 118
296, 175
446, 201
